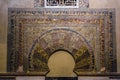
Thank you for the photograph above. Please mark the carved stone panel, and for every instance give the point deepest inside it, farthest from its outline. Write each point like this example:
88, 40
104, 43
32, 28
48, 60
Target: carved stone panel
61, 3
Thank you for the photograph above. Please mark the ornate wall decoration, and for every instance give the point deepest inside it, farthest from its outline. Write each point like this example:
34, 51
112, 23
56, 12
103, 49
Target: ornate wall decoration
35, 34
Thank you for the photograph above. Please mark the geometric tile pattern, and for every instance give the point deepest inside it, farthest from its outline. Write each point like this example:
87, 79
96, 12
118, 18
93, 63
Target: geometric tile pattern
35, 34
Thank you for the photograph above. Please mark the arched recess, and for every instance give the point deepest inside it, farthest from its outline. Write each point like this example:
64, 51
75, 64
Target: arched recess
61, 64
61, 39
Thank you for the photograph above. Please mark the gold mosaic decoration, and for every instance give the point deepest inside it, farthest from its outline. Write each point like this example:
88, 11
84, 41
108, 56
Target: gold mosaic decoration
35, 34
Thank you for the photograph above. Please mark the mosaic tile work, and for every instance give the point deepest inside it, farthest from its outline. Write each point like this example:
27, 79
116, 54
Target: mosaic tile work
35, 34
